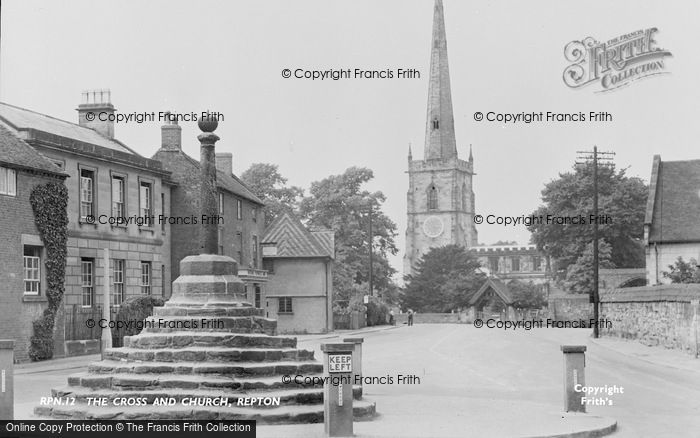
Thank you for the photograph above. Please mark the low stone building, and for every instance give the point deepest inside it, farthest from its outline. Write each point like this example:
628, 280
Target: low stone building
300, 286
671, 224
22, 277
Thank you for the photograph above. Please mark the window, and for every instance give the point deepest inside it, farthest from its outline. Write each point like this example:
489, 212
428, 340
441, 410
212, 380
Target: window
536, 263
493, 264
87, 190
146, 202
432, 198
86, 274
465, 207
285, 305
240, 248
239, 209
254, 212
117, 294
220, 239
146, 278
221, 204
32, 270
515, 264
255, 252
436, 124
269, 265
118, 198
258, 296
8, 181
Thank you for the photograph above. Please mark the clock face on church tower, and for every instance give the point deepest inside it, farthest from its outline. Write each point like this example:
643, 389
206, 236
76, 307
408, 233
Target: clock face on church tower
433, 226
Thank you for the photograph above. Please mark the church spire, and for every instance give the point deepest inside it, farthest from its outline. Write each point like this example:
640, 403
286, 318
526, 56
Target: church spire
440, 131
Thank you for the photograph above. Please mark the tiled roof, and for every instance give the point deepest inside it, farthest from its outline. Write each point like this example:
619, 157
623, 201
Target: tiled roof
14, 152
499, 287
294, 240
229, 183
20, 119
673, 211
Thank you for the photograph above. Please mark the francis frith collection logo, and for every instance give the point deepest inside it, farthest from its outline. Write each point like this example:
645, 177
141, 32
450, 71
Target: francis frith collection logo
615, 63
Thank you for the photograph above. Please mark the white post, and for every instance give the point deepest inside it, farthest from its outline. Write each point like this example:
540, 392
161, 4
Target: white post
106, 332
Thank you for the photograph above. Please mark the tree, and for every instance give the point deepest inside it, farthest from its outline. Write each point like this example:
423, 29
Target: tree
579, 275
621, 198
340, 203
445, 280
271, 187
683, 272
526, 295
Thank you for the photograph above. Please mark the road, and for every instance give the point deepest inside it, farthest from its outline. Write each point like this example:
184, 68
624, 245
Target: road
489, 378
465, 364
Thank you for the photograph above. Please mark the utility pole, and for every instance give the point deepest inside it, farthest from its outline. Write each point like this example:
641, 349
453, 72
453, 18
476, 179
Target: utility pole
586, 156
371, 250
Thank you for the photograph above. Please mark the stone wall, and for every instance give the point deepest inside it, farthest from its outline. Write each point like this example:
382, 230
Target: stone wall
432, 318
570, 307
664, 315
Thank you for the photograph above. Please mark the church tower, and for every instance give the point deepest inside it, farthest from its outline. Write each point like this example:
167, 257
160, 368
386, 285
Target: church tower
440, 200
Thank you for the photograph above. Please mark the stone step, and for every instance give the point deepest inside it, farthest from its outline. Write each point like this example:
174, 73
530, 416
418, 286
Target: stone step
209, 339
206, 311
362, 410
287, 396
236, 369
126, 382
210, 354
231, 324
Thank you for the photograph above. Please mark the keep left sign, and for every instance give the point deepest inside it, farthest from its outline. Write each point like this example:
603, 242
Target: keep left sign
340, 363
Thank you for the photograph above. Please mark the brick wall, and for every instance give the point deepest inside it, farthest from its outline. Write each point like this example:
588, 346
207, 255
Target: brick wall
570, 307
431, 318
17, 311
665, 315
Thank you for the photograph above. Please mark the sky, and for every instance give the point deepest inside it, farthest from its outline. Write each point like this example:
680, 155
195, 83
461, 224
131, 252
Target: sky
505, 56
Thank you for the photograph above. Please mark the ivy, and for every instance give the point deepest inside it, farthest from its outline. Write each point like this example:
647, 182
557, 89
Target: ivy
49, 203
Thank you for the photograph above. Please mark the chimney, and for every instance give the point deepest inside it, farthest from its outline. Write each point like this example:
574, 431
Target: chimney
97, 112
170, 135
224, 162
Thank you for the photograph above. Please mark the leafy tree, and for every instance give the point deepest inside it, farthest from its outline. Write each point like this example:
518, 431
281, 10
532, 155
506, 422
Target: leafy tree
621, 197
579, 275
270, 186
340, 203
527, 295
683, 272
445, 279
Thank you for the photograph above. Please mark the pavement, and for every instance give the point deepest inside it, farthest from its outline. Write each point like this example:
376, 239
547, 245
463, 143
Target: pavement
482, 383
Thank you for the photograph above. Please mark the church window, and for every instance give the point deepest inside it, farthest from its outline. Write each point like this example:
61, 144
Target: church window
432, 198
464, 197
436, 123
493, 264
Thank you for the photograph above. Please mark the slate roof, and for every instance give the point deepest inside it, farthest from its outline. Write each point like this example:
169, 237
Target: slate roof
16, 153
294, 240
499, 287
20, 119
673, 206
229, 183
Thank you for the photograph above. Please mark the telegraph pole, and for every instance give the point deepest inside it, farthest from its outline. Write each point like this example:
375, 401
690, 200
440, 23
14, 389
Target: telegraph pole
371, 250
586, 156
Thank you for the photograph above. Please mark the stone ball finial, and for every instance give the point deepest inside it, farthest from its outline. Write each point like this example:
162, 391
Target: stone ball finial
208, 123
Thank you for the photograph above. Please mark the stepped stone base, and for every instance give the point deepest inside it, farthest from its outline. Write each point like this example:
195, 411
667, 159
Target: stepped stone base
232, 356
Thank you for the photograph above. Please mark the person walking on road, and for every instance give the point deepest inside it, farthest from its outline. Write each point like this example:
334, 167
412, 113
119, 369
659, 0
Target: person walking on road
410, 317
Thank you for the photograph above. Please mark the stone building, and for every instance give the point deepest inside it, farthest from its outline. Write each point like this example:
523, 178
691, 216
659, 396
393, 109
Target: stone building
300, 286
22, 277
107, 180
241, 218
440, 199
671, 224
514, 262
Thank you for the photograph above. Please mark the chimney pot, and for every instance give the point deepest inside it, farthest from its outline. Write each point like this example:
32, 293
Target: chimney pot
171, 135
96, 111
